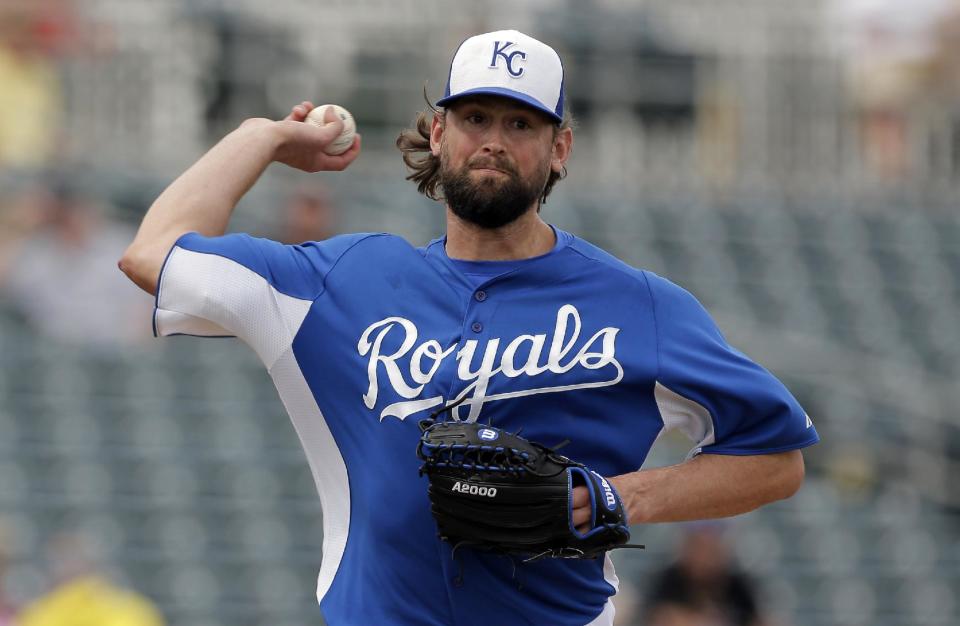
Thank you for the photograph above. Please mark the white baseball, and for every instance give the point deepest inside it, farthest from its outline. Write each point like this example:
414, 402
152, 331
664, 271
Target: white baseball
343, 142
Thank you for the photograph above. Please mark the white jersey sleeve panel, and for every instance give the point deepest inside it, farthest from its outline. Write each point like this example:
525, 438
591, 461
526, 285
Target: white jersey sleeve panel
690, 417
177, 323
210, 295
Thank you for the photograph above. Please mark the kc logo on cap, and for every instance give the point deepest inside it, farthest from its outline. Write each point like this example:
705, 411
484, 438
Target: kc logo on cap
509, 64
500, 51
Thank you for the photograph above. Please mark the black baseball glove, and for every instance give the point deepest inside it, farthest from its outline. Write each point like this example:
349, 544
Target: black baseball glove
497, 491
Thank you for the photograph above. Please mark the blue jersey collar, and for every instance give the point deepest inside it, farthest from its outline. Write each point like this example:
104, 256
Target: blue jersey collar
534, 269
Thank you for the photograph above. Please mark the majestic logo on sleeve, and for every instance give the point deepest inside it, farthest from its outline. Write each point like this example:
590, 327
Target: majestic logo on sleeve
545, 357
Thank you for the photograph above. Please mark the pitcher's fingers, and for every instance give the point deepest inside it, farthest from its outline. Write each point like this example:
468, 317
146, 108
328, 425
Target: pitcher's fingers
299, 112
582, 513
341, 161
581, 498
581, 516
352, 151
355, 148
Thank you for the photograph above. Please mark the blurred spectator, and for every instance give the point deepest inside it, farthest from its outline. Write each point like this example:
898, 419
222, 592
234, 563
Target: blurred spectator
889, 46
32, 32
82, 596
308, 215
945, 75
250, 57
704, 587
58, 268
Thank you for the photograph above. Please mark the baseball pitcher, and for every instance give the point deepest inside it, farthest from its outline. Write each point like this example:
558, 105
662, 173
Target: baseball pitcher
431, 387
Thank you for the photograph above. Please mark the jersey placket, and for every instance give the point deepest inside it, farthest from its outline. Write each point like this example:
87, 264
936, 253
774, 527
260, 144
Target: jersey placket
475, 333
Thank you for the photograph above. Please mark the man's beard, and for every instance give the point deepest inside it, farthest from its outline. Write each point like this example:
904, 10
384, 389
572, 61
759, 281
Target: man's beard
489, 203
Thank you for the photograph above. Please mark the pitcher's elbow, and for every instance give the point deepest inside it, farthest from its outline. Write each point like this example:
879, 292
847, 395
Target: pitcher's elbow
793, 474
138, 269
128, 262
124, 264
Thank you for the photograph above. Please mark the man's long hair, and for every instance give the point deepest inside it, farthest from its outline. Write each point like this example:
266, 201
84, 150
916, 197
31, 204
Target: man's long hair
424, 167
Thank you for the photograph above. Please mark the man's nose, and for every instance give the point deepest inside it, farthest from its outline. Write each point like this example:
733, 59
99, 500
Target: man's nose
493, 141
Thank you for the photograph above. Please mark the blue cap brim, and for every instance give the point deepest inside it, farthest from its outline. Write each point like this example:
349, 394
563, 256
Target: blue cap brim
506, 93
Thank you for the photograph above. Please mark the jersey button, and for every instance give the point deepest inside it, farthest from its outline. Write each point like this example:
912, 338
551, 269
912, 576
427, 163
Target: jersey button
480, 295
476, 327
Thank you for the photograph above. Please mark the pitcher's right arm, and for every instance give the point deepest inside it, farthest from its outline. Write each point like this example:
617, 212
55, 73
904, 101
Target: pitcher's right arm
203, 198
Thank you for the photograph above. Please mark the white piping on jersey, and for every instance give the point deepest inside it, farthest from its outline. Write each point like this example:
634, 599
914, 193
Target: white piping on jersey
609, 610
326, 464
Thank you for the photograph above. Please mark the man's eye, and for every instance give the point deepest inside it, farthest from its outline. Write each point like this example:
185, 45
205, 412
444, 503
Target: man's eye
476, 118
521, 125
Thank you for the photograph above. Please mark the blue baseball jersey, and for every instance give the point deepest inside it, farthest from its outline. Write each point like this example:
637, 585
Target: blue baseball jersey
364, 335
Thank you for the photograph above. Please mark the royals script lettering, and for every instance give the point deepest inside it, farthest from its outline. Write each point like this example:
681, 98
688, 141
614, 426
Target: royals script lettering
478, 363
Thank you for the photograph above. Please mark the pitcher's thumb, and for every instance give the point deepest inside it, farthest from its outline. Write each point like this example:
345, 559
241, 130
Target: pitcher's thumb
330, 123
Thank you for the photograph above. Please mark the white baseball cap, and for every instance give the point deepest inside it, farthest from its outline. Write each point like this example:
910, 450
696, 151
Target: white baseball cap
510, 64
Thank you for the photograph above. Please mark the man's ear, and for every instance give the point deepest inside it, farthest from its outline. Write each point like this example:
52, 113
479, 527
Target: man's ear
562, 147
436, 134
